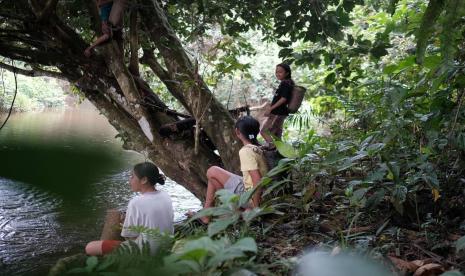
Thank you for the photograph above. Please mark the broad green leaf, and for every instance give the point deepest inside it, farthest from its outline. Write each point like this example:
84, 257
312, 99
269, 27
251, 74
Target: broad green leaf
195, 254
389, 69
375, 148
460, 244
246, 244
245, 197
226, 196
405, 63
221, 224
431, 179
358, 195
227, 254
286, 150
91, 263
330, 78
204, 243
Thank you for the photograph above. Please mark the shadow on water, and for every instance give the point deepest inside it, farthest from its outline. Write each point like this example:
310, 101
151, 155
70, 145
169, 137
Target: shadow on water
65, 169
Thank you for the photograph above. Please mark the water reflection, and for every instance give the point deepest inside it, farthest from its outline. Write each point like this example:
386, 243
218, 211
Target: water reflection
39, 225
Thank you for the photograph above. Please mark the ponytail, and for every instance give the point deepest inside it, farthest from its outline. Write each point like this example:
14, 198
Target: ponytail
149, 170
249, 127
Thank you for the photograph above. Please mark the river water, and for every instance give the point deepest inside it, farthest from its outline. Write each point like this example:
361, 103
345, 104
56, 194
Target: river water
41, 223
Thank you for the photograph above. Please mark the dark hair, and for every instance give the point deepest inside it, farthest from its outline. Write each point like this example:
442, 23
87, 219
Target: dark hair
249, 127
149, 170
288, 70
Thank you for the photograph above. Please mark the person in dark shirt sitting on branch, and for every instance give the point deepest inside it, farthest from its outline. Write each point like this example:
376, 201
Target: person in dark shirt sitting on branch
278, 110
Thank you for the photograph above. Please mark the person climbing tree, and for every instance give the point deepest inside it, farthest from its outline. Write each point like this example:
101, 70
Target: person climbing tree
278, 110
253, 167
111, 15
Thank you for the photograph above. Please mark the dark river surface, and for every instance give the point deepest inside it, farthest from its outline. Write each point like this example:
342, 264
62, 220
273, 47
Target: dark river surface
39, 225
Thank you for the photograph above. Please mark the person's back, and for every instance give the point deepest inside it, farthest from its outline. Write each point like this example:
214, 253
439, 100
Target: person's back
152, 210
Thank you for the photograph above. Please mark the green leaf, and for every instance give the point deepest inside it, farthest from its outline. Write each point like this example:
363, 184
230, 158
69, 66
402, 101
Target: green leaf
91, 263
460, 244
330, 78
389, 69
358, 195
227, 254
284, 43
286, 150
432, 62
285, 52
405, 63
246, 244
204, 243
226, 196
221, 224
245, 197
195, 254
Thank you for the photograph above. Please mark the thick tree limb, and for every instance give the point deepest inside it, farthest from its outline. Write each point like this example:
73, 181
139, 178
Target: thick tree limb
33, 73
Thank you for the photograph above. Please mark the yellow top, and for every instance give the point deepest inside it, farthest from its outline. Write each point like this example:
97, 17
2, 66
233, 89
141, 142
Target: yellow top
251, 158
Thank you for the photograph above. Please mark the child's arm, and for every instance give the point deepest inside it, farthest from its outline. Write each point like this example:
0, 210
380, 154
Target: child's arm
278, 103
256, 177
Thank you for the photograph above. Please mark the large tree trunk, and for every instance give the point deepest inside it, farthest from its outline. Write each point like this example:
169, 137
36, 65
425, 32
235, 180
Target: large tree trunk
35, 35
191, 91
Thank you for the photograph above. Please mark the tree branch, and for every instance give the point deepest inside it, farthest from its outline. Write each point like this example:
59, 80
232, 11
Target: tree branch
133, 43
43, 12
37, 72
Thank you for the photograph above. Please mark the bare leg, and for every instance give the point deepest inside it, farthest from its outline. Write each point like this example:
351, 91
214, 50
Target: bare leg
94, 248
267, 125
98, 248
99, 41
216, 178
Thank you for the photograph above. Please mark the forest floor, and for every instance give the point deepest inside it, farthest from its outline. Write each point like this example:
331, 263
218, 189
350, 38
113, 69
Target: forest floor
402, 246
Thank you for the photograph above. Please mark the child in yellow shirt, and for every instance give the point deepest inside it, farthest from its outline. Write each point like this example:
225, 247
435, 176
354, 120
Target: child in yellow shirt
253, 166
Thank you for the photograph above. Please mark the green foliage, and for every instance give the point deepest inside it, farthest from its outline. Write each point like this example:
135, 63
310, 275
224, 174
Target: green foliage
33, 93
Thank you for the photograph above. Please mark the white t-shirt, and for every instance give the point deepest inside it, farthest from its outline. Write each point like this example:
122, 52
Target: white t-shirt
152, 210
